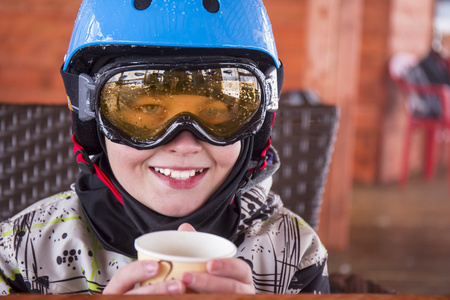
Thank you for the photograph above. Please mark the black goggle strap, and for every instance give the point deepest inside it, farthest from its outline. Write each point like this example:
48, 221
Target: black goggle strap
80, 89
87, 166
280, 78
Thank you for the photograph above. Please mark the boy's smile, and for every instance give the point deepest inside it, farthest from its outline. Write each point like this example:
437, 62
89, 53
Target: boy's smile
174, 179
178, 174
180, 179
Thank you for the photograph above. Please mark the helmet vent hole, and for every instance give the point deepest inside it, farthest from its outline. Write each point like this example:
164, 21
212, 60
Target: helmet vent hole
211, 5
142, 4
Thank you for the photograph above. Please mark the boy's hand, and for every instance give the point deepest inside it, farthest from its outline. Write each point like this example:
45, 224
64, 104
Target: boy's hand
124, 281
224, 276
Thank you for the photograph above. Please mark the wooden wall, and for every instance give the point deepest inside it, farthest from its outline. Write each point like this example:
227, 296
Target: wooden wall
372, 92
319, 42
34, 38
289, 23
389, 26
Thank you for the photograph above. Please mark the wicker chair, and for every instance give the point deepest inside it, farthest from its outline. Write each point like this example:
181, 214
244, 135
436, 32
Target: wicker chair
36, 156
304, 134
37, 161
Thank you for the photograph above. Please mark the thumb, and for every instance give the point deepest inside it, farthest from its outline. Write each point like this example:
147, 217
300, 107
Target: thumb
186, 227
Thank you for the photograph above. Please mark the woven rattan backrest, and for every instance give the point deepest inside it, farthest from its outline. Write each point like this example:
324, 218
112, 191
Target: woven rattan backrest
36, 155
304, 135
36, 158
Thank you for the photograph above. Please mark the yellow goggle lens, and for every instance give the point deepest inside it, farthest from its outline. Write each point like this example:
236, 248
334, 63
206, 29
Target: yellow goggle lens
143, 103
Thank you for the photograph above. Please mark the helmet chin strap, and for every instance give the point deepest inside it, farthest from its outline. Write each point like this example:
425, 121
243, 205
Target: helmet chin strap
88, 167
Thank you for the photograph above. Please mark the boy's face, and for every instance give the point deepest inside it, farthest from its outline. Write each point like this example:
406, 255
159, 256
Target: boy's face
174, 179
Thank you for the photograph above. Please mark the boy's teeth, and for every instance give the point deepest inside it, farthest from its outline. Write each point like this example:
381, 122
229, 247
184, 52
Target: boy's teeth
178, 174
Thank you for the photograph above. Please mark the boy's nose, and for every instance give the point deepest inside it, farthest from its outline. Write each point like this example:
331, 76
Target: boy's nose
184, 144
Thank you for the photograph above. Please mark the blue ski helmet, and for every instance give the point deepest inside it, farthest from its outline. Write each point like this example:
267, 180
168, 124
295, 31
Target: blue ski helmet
105, 30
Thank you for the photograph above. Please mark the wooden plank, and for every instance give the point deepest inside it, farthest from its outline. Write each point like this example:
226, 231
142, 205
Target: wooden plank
372, 94
35, 36
288, 24
334, 37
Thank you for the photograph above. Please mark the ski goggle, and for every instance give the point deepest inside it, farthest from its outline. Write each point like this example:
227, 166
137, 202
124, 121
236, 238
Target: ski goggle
147, 105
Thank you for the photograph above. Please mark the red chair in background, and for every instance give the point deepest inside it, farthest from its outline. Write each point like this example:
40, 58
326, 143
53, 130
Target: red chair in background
400, 66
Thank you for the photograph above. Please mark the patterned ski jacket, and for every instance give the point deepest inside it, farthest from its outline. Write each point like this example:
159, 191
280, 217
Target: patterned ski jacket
50, 248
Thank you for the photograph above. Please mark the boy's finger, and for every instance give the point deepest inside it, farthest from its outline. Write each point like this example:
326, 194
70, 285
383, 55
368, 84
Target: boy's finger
232, 268
207, 283
186, 227
160, 288
229, 275
127, 277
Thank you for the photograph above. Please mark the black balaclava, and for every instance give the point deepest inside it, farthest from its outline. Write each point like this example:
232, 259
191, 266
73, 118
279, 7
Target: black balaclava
117, 225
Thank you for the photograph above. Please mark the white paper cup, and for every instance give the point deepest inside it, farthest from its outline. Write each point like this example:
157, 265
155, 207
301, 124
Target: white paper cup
178, 252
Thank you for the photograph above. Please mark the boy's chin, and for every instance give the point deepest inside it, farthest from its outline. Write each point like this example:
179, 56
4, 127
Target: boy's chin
179, 208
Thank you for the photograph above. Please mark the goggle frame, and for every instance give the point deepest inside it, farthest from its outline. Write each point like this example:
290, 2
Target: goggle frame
90, 89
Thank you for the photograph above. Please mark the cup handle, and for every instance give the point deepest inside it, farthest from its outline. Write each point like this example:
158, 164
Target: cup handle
165, 268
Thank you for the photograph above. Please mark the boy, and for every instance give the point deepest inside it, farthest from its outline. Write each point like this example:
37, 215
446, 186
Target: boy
172, 105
